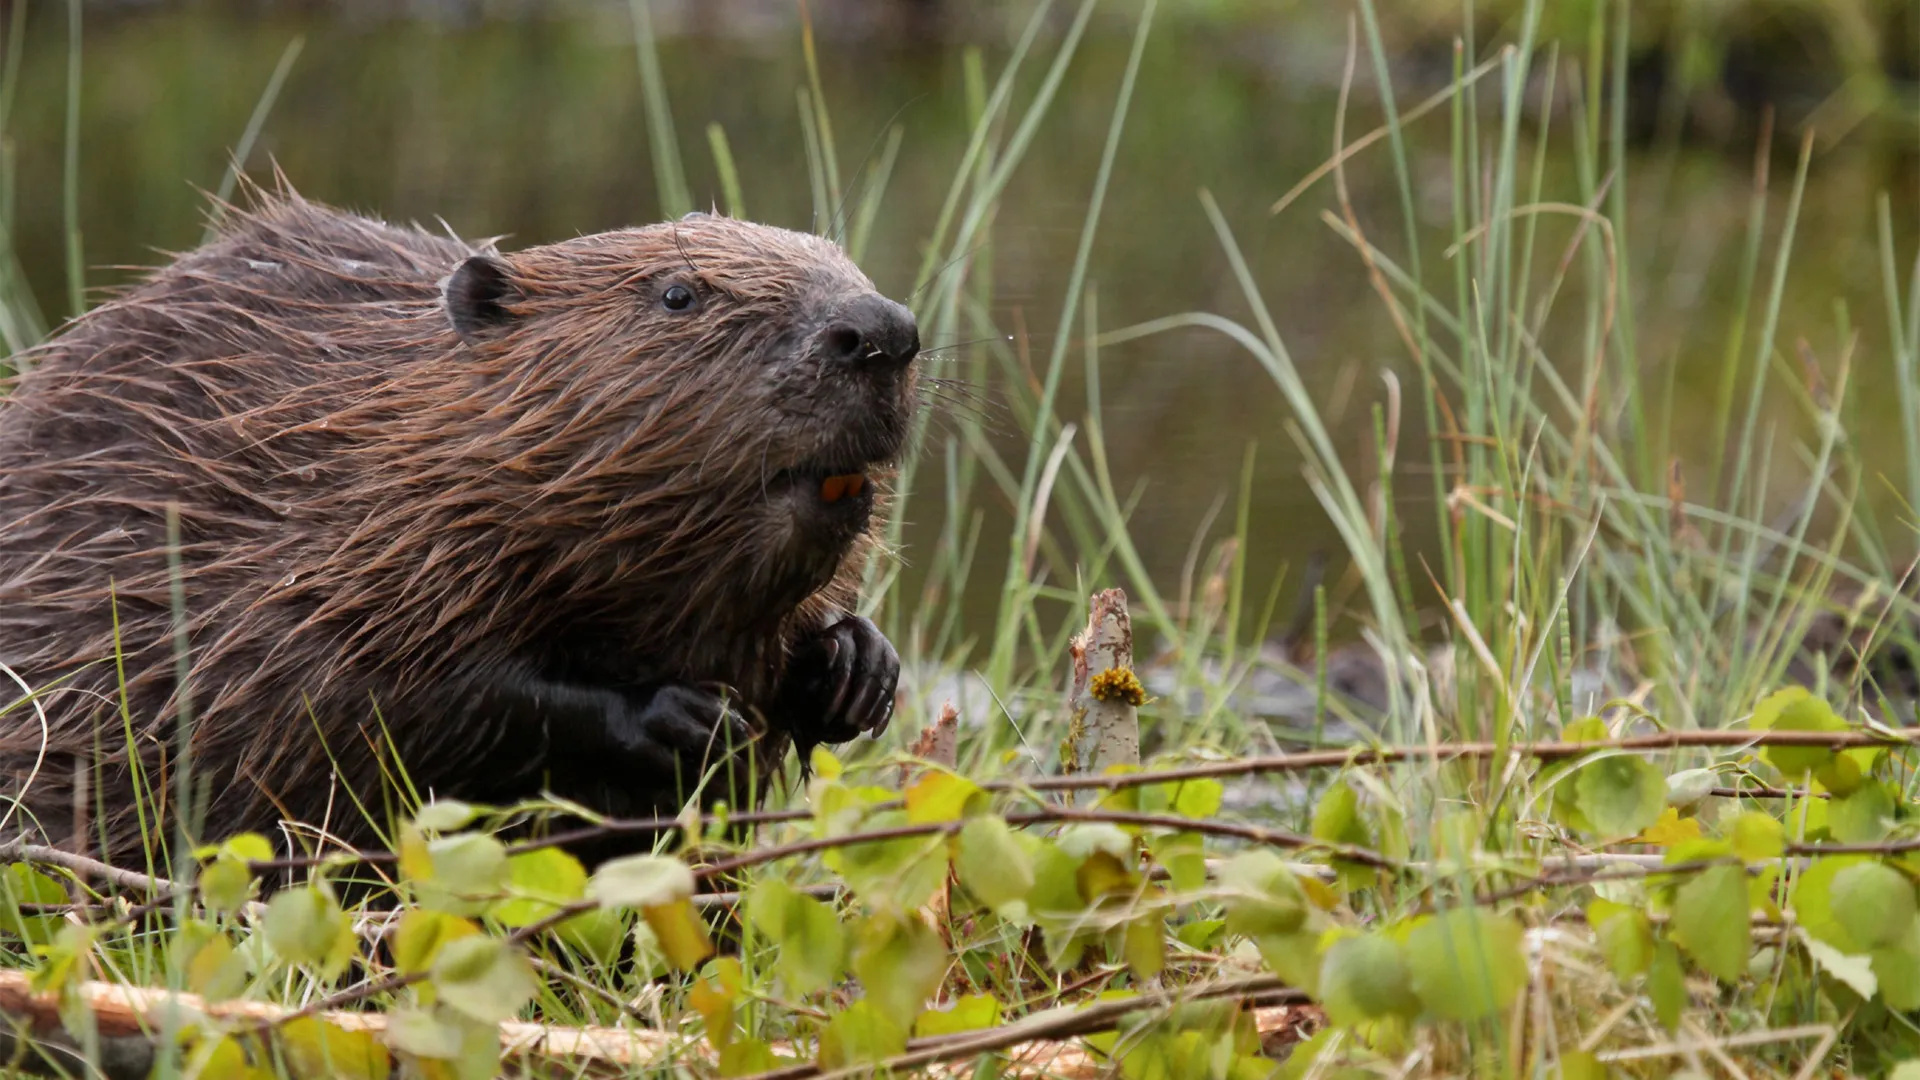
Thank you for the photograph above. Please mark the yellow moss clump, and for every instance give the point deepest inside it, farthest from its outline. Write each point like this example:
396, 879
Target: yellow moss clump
1118, 684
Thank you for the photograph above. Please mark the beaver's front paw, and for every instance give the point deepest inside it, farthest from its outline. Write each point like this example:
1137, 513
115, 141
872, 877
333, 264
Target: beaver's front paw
839, 683
679, 731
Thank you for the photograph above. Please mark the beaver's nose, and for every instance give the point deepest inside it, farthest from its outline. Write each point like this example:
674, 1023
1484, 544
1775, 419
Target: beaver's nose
872, 333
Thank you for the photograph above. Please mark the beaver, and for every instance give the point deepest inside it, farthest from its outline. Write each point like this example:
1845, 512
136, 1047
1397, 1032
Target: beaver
375, 509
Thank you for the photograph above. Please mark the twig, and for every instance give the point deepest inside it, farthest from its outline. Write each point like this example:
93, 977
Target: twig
1541, 751
1274, 837
21, 851
126, 1017
1049, 1026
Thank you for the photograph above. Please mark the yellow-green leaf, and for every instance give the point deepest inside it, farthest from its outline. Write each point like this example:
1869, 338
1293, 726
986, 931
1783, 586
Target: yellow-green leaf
942, 796
973, 1012
1863, 817
640, 881
900, 962
1626, 936
1620, 795
315, 1047
1758, 837
540, 882
681, 933
1712, 923
22, 884
994, 866
1873, 903
306, 926
1466, 963
421, 934
1260, 894
1796, 709
484, 978
1667, 986
1366, 976
861, 1035
810, 944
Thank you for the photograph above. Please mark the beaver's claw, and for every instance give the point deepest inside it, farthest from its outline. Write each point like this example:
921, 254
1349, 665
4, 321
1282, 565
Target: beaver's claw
839, 683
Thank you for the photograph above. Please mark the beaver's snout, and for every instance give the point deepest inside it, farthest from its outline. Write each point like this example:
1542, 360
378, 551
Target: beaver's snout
871, 333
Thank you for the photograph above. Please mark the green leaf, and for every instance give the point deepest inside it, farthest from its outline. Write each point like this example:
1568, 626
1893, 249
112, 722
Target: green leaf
484, 978
540, 882
1620, 795
469, 870
426, 1034
1873, 903
314, 1047
1626, 936
1711, 921
1184, 856
1143, 944
973, 1012
1336, 817
226, 884
1667, 986
1260, 894
810, 944
897, 874
1198, 798
861, 1035
1864, 817
599, 934
1758, 837
214, 968
1854, 971
445, 815
641, 881
1580, 1065
994, 867
1813, 905
1085, 839
1294, 956
1686, 788
306, 926
421, 934
681, 932
900, 962
1467, 963
22, 884
1363, 977
1795, 709
942, 796
713, 997
744, 1057
1897, 969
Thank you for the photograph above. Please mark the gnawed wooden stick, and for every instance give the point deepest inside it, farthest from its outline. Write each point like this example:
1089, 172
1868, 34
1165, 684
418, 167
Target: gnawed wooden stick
1105, 726
129, 1019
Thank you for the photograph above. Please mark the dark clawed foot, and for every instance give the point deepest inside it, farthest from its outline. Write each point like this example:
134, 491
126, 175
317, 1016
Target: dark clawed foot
839, 683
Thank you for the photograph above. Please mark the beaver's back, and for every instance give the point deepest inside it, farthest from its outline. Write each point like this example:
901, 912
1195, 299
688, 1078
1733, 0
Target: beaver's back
221, 390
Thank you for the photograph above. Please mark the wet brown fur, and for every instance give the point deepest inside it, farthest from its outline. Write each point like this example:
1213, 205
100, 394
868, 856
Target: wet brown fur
369, 506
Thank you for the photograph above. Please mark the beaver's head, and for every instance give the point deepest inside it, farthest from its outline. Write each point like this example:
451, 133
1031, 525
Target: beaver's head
726, 390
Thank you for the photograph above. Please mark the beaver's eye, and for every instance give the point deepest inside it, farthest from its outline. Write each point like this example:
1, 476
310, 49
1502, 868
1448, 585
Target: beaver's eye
677, 298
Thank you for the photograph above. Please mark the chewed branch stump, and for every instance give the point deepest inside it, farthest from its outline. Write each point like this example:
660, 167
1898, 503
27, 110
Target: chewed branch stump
1104, 729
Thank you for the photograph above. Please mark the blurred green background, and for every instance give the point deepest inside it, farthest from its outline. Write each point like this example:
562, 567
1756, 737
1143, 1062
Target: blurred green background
526, 119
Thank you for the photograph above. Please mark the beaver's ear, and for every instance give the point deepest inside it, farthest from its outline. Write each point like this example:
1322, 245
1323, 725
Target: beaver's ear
476, 295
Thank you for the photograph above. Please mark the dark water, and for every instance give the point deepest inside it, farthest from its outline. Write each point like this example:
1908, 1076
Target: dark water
534, 127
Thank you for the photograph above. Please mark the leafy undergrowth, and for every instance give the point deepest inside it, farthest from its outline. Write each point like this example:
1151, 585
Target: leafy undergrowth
1749, 911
